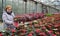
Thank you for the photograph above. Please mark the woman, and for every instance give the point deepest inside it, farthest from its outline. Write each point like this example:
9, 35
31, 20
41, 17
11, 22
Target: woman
7, 17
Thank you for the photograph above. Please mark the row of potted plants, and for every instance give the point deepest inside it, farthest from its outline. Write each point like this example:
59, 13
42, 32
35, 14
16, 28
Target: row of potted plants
48, 25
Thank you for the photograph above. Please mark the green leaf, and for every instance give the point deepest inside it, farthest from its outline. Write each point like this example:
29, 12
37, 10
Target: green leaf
29, 30
48, 14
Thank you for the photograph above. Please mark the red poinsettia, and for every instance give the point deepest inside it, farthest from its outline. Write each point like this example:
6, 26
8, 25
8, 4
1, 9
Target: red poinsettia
38, 31
40, 22
42, 34
53, 35
30, 34
49, 26
24, 31
13, 30
1, 34
43, 27
13, 35
36, 25
16, 24
50, 31
56, 25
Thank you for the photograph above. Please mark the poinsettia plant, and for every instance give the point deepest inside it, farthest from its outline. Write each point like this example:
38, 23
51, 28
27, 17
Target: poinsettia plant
48, 24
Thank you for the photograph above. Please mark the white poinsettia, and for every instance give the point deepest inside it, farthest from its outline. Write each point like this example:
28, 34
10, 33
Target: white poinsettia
47, 30
21, 23
35, 21
55, 29
3, 30
26, 23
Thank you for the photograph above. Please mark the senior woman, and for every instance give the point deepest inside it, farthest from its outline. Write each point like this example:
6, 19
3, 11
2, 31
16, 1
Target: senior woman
7, 17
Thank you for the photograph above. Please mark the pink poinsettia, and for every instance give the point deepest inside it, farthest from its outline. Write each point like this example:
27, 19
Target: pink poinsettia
13, 30
42, 34
1, 34
30, 35
50, 31
53, 35
16, 24
37, 30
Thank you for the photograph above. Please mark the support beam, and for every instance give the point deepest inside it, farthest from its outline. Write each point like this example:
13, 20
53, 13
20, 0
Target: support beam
25, 5
25, 0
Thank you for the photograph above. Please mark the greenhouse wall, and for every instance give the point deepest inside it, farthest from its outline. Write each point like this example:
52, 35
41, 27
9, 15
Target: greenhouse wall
1, 9
21, 7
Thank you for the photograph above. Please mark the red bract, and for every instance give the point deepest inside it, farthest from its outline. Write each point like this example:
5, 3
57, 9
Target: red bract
37, 30
16, 24
43, 27
36, 25
49, 26
24, 31
13, 35
41, 14
42, 34
30, 35
57, 18
31, 14
53, 35
36, 15
56, 25
22, 34
50, 31
40, 23
12, 30
1, 34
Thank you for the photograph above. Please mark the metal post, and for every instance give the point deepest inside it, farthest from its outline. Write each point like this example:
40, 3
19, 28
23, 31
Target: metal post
42, 8
36, 5
18, 6
46, 9
34, 9
2, 5
2, 10
25, 5
5, 3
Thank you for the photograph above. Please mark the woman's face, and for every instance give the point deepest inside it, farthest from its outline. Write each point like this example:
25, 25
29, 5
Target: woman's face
9, 10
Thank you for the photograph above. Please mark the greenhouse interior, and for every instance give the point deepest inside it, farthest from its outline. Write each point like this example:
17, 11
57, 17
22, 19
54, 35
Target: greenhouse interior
29, 17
